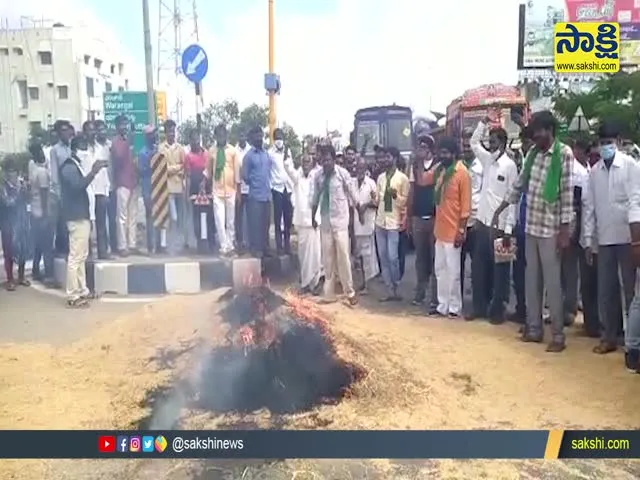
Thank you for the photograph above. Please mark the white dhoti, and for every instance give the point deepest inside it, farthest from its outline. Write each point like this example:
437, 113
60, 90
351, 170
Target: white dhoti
309, 256
337, 261
366, 252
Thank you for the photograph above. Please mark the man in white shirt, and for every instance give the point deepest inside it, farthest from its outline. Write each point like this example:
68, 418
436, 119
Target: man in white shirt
613, 203
86, 156
588, 272
99, 149
571, 255
281, 189
490, 280
333, 193
309, 246
475, 170
242, 239
364, 224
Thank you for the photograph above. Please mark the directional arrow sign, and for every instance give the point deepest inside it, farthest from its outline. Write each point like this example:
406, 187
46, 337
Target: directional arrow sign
195, 63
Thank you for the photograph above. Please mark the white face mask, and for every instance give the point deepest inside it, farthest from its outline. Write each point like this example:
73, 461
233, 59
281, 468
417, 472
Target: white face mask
279, 144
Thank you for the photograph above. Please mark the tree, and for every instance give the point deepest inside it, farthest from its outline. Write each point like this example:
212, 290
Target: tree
291, 140
614, 98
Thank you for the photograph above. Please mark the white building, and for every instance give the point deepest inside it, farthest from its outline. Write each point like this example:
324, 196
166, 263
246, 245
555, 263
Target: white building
50, 73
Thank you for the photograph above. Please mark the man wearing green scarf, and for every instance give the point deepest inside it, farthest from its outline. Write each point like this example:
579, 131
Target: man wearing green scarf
224, 172
393, 189
546, 180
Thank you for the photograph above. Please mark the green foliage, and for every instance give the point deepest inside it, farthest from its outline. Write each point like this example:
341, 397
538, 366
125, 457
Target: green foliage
292, 140
38, 134
614, 98
229, 114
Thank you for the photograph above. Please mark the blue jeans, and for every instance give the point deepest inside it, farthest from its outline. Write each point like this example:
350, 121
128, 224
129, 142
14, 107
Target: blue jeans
632, 334
387, 242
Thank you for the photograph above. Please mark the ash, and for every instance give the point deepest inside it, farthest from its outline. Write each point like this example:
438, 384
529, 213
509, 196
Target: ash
292, 369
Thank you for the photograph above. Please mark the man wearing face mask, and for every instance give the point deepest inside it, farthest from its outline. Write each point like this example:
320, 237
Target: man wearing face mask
611, 206
546, 179
281, 189
490, 280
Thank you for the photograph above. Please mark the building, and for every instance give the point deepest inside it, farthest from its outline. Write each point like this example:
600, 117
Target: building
54, 72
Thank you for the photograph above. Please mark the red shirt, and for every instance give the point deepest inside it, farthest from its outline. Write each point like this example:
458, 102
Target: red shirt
195, 162
124, 170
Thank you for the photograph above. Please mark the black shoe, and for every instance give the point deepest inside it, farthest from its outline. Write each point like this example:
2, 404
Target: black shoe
496, 319
517, 317
632, 360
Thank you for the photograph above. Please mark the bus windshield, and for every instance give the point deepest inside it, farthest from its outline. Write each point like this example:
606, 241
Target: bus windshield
367, 129
400, 134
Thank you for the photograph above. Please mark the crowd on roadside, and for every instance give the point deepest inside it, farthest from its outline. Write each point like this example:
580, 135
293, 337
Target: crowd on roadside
569, 214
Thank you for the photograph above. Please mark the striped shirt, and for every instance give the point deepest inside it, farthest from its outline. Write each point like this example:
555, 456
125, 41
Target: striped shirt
544, 218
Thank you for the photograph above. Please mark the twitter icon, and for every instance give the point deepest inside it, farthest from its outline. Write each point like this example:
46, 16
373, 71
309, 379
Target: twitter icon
147, 444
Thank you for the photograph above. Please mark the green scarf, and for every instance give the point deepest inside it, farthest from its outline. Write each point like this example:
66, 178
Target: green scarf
448, 174
551, 189
324, 204
388, 198
220, 162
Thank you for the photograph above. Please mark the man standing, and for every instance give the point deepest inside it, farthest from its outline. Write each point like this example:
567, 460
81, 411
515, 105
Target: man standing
393, 191
612, 204
421, 212
125, 179
60, 152
174, 156
309, 246
76, 212
223, 170
546, 180
364, 224
490, 279
333, 192
42, 228
146, 158
256, 173
281, 188
588, 272
99, 148
452, 196
572, 254
242, 243
474, 167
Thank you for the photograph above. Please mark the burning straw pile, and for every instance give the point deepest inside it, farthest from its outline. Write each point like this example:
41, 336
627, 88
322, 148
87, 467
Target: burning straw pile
279, 355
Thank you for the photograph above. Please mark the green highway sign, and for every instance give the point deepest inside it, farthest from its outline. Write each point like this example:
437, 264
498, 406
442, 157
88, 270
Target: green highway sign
134, 106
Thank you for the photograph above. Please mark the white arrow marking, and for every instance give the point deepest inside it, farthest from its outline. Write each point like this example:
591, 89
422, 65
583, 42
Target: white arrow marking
195, 63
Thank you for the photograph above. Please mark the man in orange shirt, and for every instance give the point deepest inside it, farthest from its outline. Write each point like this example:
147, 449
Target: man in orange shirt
452, 196
223, 170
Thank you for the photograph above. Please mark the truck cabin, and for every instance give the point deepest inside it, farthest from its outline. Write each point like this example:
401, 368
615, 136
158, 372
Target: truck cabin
385, 126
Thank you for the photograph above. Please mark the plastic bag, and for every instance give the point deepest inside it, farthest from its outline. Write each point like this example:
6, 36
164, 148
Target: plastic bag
502, 254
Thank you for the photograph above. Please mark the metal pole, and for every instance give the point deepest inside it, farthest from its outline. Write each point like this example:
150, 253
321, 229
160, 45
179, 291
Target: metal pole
272, 95
151, 98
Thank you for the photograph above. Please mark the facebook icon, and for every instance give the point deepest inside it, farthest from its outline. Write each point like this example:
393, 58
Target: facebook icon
122, 444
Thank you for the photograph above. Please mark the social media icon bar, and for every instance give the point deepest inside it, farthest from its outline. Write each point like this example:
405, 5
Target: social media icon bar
106, 444
134, 444
122, 444
147, 444
160, 444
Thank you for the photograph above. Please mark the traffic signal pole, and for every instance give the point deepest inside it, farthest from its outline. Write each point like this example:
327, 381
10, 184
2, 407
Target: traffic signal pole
272, 94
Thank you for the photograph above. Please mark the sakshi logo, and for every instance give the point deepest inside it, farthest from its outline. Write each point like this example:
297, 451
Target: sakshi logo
581, 46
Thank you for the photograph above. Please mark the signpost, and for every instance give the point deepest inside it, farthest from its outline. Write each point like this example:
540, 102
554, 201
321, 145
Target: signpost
195, 63
134, 106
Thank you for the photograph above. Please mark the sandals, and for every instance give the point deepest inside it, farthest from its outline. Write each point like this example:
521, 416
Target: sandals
10, 286
604, 347
24, 283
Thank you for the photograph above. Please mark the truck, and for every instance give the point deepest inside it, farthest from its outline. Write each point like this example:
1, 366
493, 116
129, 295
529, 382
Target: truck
501, 102
387, 126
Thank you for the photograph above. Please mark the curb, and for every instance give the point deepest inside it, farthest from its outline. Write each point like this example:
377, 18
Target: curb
175, 276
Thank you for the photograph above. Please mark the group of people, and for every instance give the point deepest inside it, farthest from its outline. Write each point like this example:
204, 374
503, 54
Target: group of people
569, 215
572, 212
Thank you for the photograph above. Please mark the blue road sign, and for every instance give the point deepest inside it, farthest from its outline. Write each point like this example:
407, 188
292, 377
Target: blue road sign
195, 63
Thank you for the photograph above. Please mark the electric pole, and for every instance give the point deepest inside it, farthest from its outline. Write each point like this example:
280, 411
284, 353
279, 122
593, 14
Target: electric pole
151, 97
272, 94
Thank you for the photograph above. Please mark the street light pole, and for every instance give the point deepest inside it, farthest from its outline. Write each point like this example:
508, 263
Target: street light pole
272, 95
148, 61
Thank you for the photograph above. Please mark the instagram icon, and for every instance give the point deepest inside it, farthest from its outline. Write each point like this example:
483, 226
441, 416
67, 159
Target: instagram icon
134, 444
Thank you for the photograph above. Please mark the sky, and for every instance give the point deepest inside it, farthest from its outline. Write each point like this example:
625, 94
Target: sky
333, 56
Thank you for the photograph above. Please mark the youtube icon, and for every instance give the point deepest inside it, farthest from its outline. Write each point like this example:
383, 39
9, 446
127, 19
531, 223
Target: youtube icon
106, 444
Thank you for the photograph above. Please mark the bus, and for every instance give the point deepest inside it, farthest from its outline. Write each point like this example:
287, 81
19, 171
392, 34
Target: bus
499, 101
387, 126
